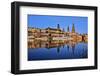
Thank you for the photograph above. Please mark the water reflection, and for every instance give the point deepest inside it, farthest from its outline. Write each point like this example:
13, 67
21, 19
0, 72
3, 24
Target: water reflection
49, 50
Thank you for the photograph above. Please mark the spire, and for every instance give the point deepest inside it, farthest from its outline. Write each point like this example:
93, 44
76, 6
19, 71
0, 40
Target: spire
68, 29
58, 26
73, 28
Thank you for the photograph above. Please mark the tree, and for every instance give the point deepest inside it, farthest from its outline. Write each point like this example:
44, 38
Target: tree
68, 29
73, 28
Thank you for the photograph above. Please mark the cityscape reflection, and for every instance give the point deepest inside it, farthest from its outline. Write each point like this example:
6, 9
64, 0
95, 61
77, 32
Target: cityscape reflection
50, 50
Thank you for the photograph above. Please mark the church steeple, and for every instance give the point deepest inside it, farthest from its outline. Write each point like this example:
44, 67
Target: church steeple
73, 29
58, 26
68, 29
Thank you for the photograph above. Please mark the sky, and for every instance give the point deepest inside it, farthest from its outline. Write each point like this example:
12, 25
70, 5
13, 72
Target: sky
45, 21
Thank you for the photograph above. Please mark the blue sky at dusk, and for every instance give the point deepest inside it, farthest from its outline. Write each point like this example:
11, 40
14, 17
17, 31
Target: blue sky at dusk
45, 21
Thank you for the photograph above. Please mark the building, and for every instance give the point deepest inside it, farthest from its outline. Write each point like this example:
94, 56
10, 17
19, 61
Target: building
55, 34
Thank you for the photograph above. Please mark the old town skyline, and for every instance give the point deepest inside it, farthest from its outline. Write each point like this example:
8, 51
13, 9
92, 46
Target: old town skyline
43, 21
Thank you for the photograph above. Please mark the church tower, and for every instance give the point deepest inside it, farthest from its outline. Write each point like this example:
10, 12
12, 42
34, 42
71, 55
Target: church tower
68, 29
58, 26
73, 29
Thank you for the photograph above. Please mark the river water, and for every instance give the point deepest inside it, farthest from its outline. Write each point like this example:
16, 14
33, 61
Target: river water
58, 51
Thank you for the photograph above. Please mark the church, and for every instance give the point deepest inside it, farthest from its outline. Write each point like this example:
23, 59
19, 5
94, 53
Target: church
55, 34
